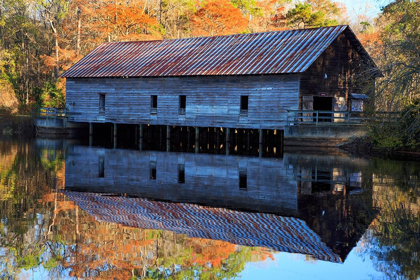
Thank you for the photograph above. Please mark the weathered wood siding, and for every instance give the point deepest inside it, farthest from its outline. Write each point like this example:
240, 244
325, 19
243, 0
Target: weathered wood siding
212, 101
209, 179
333, 73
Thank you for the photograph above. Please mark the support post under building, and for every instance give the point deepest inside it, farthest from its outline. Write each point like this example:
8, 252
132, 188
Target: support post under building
115, 135
141, 137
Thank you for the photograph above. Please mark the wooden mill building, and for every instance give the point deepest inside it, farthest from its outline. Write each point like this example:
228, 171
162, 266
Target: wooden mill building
244, 81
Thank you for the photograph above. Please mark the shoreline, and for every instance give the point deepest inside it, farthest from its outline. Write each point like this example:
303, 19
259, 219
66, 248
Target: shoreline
17, 125
364, 147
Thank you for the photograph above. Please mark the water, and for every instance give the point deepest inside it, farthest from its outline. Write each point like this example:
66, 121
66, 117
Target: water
70, 211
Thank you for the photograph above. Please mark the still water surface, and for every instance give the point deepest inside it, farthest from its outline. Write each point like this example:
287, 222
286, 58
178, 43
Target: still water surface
70, 211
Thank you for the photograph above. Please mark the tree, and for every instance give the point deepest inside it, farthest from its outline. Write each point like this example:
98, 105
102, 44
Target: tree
331, 10
402, 54
271, 16
22, 40
314, 13
175, 17
301, 16
116, 20
218, 17
248, 7
53, 12
399, 88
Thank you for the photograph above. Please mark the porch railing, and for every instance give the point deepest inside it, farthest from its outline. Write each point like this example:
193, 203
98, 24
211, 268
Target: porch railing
299, 117
294, 117
52, 112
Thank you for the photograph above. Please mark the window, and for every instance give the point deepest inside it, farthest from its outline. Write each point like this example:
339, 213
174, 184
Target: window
182, 104
153, 104
243, 184
357, 105
244, 103
153, 170
101, 103
181, 173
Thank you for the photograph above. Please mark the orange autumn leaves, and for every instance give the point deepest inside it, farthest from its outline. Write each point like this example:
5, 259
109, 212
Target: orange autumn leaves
119, 20
130, 20
205, 251
218, 17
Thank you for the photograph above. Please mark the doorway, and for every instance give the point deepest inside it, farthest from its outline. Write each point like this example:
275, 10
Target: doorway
323, 104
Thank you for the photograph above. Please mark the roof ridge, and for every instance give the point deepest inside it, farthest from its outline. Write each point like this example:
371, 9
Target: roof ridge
228, 35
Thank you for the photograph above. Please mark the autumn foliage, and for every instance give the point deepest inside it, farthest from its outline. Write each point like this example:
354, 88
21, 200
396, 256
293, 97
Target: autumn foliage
218, 17
120, 20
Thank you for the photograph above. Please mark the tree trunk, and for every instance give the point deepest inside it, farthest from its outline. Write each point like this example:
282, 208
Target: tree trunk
79, 26
56, 55
54, 30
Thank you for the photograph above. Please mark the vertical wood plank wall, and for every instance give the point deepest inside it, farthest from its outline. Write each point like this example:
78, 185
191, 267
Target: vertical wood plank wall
212, 101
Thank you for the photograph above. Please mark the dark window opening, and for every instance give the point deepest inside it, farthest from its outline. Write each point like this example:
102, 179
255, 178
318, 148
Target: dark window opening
153, 170
244, 103
323, 104
154, 101
153, 104
182, 104
101, 102
181, 173
243, 182
101, 167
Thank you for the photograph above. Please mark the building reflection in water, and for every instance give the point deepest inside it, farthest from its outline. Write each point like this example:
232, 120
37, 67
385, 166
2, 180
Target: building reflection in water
314, 205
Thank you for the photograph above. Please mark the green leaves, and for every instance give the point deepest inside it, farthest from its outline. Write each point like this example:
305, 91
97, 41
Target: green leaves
52, 96
248, 7
300, 14
53, 9
305, 15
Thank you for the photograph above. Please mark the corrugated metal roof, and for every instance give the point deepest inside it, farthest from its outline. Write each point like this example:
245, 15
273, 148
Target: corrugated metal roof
279, 233
279, 52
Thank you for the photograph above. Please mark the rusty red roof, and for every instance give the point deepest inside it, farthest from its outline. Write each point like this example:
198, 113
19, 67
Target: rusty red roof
278, 52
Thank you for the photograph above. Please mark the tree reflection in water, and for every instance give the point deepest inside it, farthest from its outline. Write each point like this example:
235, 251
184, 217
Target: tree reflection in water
25, 177
393, 242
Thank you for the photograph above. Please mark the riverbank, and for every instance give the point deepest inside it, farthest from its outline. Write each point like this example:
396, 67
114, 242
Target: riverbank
363, 146
17, 124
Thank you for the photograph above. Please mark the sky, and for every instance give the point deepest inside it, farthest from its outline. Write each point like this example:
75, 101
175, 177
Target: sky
358, 265
370, 8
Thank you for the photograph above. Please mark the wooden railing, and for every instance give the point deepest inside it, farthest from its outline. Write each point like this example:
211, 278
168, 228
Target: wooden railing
294, 117
52, 112
299, 117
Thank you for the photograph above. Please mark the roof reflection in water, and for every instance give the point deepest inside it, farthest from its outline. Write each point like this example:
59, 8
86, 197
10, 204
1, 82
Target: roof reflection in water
286, 234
